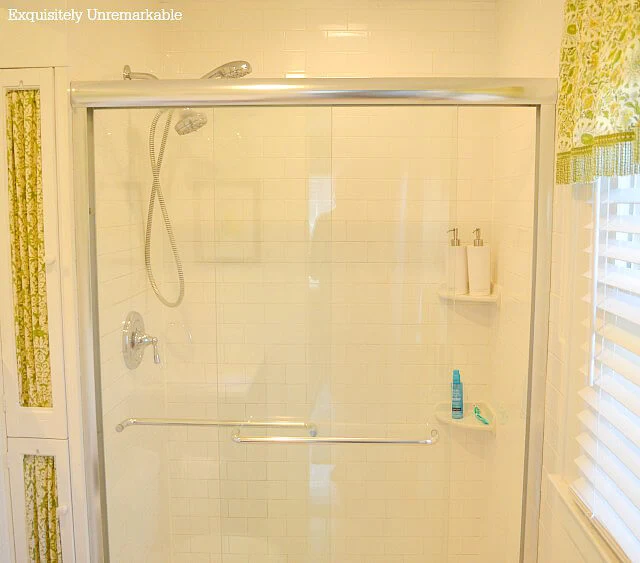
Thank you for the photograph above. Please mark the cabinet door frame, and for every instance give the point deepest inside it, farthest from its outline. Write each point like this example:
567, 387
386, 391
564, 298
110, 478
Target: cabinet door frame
17, 449
25, 421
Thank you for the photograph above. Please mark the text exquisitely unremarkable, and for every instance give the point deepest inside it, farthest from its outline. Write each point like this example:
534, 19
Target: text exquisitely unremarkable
93, 14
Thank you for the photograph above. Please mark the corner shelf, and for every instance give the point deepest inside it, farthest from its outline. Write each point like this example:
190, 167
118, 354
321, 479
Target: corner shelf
492, 298
469, 421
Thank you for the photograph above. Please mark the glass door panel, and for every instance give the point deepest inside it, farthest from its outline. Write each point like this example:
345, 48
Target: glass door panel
394, 179
273, 202
314, 249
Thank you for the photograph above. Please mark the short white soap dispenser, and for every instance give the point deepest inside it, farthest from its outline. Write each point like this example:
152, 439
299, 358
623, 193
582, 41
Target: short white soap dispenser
479, 265
457, 278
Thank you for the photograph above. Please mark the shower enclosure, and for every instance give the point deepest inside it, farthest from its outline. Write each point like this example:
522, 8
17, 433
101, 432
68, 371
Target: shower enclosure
297, 407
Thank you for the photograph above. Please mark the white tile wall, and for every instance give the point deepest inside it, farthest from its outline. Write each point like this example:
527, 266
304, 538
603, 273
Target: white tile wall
312, 264
353, 260
394, 177
339, 38
353, 39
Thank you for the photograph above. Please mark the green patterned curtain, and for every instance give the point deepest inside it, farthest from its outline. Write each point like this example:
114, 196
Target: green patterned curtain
599, 102
26, 226
41, 502
26, 222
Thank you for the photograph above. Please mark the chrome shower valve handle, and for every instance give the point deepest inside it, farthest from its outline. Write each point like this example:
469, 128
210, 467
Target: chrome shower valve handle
144, 340
135, 340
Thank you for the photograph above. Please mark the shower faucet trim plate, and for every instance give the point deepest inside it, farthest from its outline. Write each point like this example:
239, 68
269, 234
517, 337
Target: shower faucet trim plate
135, 340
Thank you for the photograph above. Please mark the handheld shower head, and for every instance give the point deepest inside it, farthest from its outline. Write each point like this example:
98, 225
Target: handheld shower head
190, 121
233, 69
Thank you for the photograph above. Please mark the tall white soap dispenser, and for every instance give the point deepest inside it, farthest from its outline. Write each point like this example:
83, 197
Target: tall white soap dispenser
457, 279
479, 264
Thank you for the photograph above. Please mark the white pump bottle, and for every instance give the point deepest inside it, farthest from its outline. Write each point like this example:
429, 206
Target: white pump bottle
479, 266
457, 279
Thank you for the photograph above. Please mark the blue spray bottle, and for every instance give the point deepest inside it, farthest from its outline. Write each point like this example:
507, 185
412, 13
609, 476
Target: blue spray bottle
457, 396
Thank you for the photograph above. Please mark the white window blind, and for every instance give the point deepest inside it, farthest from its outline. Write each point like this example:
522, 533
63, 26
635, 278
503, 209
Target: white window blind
608, 482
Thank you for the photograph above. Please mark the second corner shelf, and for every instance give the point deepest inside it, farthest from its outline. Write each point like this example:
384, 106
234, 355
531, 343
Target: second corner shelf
469, 421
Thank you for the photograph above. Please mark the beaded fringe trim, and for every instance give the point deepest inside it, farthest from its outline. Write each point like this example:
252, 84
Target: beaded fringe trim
609, 155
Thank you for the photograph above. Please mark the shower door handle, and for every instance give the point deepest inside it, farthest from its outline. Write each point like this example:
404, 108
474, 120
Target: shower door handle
239, 439
310, 427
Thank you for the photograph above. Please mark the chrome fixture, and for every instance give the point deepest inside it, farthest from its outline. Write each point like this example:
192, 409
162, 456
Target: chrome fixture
156, 191
135, 340
189, 121
233, 69
128, 75
446, 91
238, 439
309, 426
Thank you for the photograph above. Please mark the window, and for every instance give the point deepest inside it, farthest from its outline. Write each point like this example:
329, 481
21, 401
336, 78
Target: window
608, 482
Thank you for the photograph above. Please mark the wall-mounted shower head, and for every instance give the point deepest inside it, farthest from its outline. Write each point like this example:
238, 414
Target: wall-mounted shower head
128, 75
190, 121
233, 69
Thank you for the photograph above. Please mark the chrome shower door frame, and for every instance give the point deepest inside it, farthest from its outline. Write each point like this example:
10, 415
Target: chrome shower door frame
506, 92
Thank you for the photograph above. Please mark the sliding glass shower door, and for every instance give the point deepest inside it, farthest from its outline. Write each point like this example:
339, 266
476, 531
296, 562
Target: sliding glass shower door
293, 414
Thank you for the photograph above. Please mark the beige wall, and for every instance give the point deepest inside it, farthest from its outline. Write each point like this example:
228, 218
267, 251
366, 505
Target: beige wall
529, 37
529, 34
355, 38
91, 51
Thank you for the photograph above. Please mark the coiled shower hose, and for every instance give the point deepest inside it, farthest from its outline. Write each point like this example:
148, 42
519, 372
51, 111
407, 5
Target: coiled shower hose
156, 191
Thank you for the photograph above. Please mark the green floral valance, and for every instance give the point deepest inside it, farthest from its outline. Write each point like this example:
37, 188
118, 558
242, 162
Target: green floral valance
599, 101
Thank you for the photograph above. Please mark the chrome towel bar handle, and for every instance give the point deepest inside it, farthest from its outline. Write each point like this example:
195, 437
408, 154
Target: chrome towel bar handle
239, 439
204, 422
310, 427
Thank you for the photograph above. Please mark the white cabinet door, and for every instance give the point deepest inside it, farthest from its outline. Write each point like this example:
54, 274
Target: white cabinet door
18, 448
23, 421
